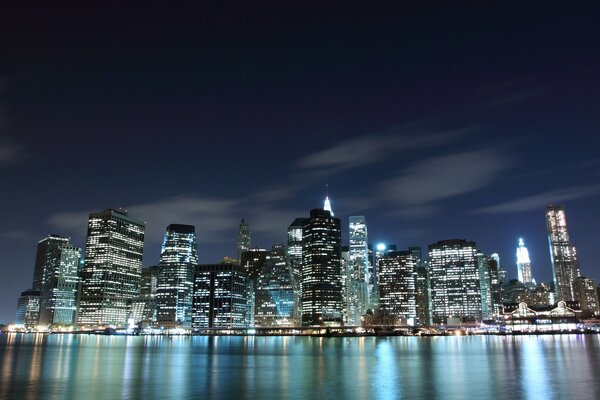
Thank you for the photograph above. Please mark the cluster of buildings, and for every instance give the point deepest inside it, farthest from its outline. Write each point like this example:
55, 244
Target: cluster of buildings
312, 281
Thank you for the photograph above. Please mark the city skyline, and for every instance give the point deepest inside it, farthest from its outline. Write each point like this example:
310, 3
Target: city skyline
434, 123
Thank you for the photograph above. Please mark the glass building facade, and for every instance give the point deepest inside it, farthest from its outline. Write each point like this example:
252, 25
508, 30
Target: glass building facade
274, 295
112, 268
357, 298
175, 283
397, 286
563, 254
321, 269
454, 277
56, 276
244, 241
28, 309
219, 297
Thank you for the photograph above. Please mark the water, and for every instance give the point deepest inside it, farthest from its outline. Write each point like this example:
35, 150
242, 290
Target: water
113, 367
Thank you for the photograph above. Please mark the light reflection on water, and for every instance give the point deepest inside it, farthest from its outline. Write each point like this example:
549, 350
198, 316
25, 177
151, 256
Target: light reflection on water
87, 366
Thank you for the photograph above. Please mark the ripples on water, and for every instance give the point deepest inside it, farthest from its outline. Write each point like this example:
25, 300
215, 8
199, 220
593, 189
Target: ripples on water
474, 367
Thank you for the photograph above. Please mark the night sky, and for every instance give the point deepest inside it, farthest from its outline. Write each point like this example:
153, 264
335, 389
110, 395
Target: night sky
434, 121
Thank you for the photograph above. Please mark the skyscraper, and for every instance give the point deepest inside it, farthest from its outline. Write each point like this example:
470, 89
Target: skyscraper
586, 294
175, 283
321, 269
56, 276
397, 285
455, 287
274, 295
28, 309
112, 268
565, 267
244, 241
219, 297
327, 202
358, 276
294, 257
524, 265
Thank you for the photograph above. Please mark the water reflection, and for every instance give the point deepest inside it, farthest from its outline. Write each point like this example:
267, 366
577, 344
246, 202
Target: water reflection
82, 366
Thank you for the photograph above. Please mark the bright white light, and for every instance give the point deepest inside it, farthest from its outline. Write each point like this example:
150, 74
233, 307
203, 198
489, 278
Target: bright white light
380, 246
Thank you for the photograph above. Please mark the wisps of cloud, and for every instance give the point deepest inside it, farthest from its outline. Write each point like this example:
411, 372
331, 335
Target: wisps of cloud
369, 149
441, 177
17, 234
514, 97
540, 200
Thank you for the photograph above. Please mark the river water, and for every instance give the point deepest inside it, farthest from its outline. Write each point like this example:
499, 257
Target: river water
469, 367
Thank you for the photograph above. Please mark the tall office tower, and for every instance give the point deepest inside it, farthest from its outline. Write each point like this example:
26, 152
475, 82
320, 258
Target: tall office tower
47, 260
143, 308
565, 267
56, 276
175, 284
586, 294
219, 297
359, 268
455, 288
380, 250
489, 286
112, 268
524, 265
28, 309
321, 269
350, 306
501, 270
294, 256
274, 295
59, 293
253, 262
397, 286
423, 295
244, 241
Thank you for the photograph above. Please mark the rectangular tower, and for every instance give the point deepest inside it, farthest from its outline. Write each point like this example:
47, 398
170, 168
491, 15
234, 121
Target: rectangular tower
563, 254
112, 268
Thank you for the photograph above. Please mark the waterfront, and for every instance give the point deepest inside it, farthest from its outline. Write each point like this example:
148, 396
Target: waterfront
37, 366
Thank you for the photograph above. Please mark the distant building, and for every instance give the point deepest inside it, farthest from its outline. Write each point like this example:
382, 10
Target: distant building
524, 265
397, 286
274, 295
57, 278
521, 317
381, 249
540, 296
28, 309
565, 265
512, 291
112, 268
143, 308
219, 297
175, 283
423, 295
321, 269
455, 286
358, 270
244, 241
586, 294
253, 261
489, 286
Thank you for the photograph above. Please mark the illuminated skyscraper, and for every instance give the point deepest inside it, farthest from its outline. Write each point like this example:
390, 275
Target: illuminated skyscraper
219, 297
321, 269
524, 265
586, 294
358, 270
294, 257
56, 276
397, 285
112, 268
274, 295
455, 287
244, 239
565, 267
28, 309
175, 283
